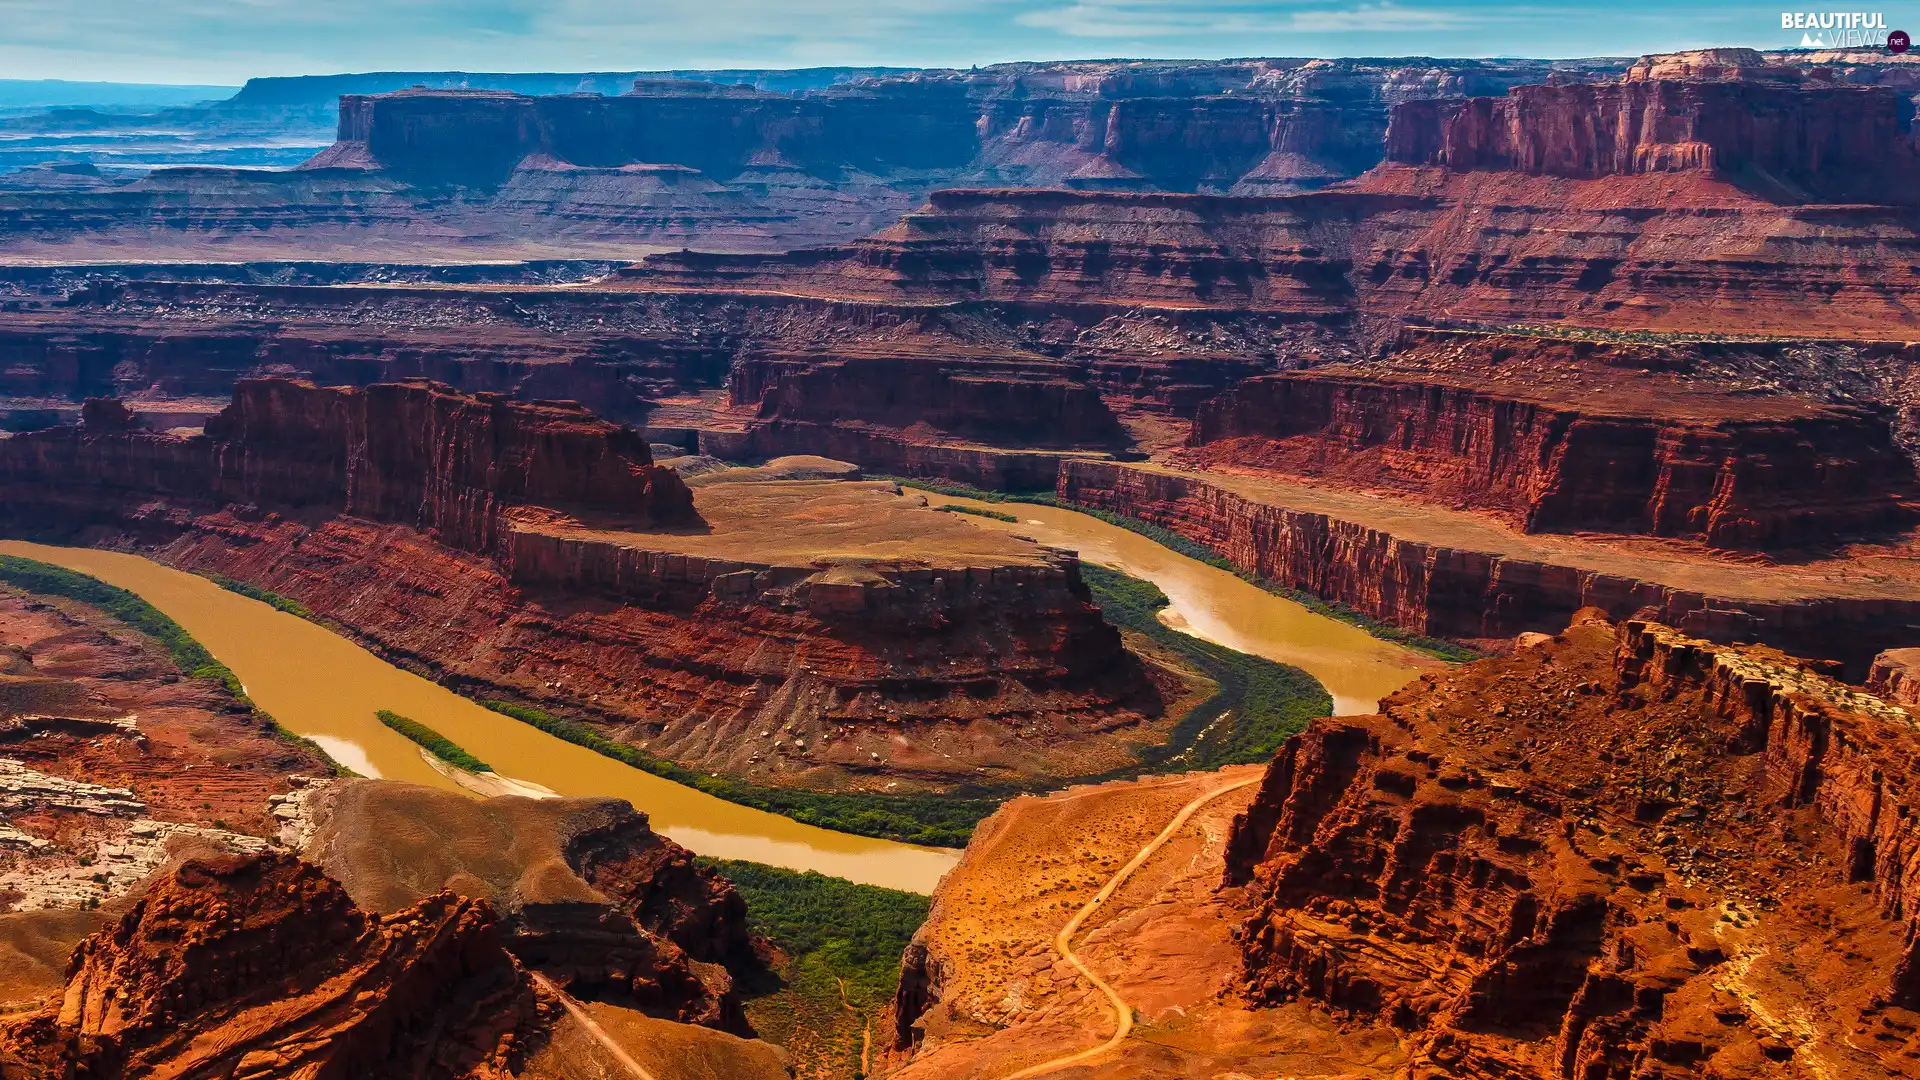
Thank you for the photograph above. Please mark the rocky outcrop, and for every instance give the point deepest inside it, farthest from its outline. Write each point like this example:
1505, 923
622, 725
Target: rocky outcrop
997, 420
1895, 675
413, 453
1283, 124
271, 955
1570, 887
1679, 204
1650, 458
589, 896
1445, 575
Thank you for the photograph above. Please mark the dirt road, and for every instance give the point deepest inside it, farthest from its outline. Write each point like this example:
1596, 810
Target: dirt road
1063, 943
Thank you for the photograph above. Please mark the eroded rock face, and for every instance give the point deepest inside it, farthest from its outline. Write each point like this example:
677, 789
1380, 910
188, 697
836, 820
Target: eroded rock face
413, 453
1617, 853
1594, 203
520, 547
1650, 457
1763, 126
270, 954
1455, 576
1896, 676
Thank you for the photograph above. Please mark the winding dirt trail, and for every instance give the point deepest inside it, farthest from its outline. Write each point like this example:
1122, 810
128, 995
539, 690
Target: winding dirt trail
1063, 942
593, 1028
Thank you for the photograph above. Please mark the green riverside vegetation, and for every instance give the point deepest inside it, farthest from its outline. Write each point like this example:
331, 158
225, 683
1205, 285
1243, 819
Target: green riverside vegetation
843, 942
977, 512
433, 742
1440, 648
935, 820
1256, 705
46, 579
265, 596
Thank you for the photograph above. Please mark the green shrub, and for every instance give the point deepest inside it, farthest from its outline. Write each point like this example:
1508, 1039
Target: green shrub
265, 596
844, 943
934, 820
977, 512
433, 742
1257, 702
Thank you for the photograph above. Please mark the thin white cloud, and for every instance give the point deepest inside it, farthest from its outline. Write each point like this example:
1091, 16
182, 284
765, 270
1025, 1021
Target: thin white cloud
1134, 19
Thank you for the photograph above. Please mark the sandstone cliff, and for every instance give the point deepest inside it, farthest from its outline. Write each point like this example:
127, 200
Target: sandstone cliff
1637, 864
1766, 127
588, 895
1624, 451
1772, 202
411, 453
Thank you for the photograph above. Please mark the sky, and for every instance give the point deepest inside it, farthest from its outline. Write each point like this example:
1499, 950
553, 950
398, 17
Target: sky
226, 41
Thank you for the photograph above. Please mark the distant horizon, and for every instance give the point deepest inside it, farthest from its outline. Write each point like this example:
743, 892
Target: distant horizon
237, 86
224, 43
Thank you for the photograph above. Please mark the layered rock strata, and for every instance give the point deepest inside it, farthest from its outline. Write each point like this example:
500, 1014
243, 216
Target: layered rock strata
1766, 127
1640, 862
264, 964
775, 162
411, 453
1448, 573
1653, 456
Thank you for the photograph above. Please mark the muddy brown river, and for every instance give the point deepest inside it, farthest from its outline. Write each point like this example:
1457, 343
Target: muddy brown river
1357, 668
327, 688
323, 686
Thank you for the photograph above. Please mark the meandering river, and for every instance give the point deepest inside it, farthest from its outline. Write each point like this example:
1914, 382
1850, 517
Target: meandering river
323, 686
327, 688
1357, 668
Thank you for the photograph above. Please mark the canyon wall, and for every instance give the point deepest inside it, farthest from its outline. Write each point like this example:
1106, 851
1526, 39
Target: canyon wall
1795, 473
1545, 896
1769, 202
1004, 399
1260, 124
734, 162
1767, 128
412, 453
1480, 585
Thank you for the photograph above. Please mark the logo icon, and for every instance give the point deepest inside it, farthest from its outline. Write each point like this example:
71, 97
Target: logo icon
1898, 42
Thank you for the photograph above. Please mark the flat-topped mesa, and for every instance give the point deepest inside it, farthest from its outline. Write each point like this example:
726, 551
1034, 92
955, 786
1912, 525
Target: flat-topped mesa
1727, 113
1257, 126
413, 453
478, 138
1561, 436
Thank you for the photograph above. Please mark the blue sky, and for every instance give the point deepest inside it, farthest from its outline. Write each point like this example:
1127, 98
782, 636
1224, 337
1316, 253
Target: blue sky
225, 41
